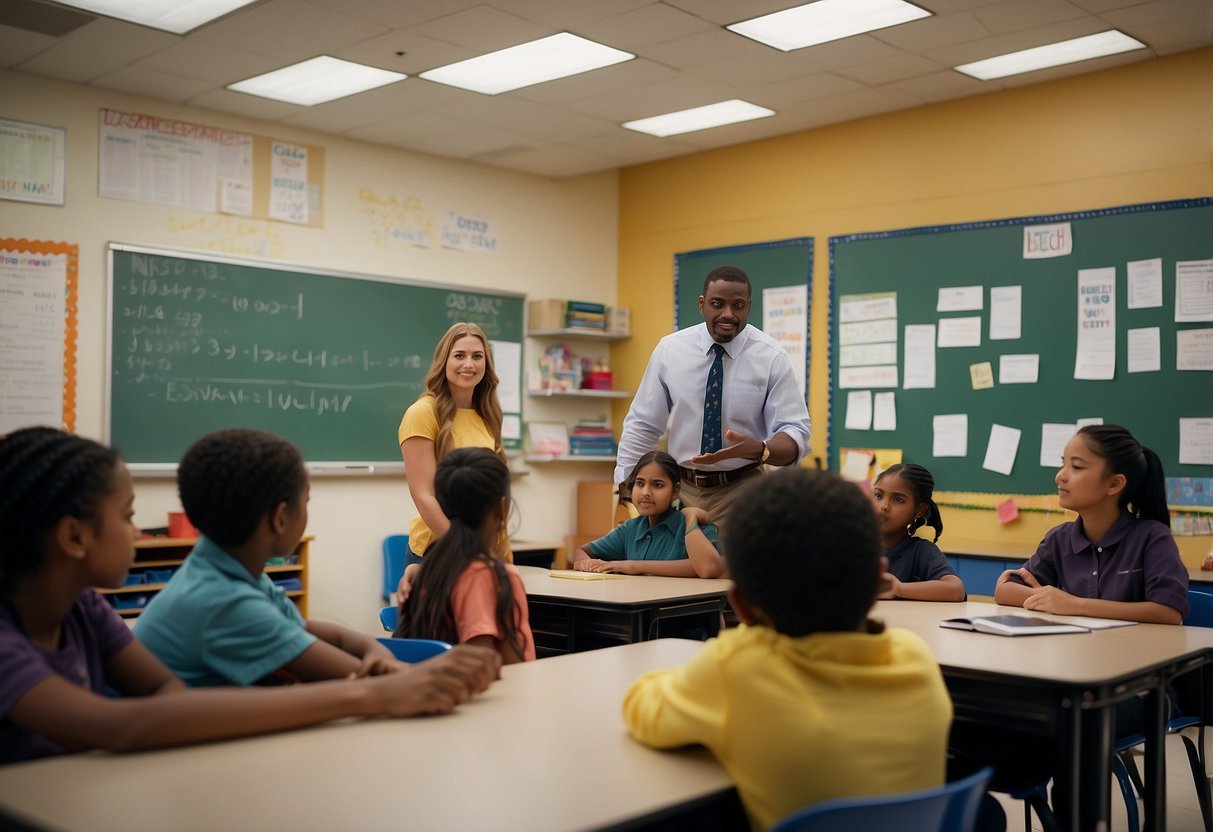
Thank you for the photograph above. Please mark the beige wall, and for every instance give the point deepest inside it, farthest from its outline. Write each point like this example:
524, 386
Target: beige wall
1137, 133
555, 238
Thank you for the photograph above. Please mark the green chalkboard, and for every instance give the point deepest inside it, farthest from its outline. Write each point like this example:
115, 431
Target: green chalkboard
327, 360
916, 263
772, 265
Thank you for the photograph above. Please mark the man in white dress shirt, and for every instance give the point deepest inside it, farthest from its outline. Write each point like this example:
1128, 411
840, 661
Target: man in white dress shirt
761, 418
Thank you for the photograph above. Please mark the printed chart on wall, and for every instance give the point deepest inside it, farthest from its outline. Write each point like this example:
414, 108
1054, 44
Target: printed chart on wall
780, 273
978, 349
37, 334
329, 360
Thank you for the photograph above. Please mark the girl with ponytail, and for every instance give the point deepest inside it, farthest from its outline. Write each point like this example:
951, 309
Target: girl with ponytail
465, 592
1118, 559
915, 568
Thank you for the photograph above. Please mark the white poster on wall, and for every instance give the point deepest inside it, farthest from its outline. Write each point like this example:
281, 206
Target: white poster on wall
1095, 355
32, 323
288, 183
785, 317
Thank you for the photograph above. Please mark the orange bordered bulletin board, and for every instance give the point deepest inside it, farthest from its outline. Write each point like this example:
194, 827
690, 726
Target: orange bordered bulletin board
38, 329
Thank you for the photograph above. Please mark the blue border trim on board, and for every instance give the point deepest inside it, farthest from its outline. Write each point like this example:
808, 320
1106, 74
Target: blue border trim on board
1171, 205
808, 282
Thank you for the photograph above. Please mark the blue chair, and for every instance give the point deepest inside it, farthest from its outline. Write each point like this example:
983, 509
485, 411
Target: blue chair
1200, 614
395, 550
413, 650
949, 808
388, 616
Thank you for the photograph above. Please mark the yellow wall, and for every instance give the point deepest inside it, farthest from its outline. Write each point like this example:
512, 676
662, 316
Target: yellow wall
1136, 133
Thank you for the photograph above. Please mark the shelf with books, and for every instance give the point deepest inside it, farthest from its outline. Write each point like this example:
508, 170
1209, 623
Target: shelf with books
533, 458
578, 332
582, 393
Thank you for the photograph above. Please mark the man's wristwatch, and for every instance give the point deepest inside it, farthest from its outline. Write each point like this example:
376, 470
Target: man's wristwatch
766, 453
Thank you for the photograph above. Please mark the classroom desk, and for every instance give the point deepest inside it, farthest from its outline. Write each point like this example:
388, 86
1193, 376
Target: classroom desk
1200, 579
1065, 686
541, 553
566, 612
544, 749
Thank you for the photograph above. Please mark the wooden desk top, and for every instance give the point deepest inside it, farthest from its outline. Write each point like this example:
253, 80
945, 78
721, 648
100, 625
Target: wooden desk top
511, 759
625, 590
1071, 658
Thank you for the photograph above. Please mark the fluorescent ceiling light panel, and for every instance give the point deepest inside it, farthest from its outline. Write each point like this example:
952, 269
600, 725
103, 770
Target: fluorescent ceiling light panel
316, 81
177, 16
546, 59
826, 20
699, 118
1106, 43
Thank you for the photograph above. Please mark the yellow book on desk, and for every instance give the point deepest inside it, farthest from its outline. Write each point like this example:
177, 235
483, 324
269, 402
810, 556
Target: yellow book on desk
581, 576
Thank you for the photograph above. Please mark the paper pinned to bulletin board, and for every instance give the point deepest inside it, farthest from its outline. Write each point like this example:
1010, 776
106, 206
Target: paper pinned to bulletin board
863, 465
38, 321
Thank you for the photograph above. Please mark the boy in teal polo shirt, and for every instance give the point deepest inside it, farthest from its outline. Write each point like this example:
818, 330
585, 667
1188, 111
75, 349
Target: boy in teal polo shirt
662, 540
220, 620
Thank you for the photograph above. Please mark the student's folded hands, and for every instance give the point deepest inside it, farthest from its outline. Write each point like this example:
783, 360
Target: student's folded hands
437, 685
1054, 600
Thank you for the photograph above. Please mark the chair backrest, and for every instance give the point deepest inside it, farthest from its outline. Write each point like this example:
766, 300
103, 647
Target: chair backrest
413, 650
388, 616
395, 549
1200, 612
949, 808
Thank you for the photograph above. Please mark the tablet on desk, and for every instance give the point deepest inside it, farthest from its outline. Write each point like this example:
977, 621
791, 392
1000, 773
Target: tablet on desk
1012, 625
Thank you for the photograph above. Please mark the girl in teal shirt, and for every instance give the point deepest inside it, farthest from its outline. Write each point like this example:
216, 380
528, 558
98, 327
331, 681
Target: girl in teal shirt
663, 540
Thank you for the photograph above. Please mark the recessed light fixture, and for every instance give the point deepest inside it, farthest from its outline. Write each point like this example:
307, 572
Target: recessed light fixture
826, 20
177, 16
1111, 42
316, 80
546, 59
699, 118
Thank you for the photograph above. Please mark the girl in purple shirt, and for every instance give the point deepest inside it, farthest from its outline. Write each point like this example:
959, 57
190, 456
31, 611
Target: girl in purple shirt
1118, 559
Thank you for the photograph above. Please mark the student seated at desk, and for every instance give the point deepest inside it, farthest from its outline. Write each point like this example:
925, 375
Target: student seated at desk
663, 540
464, 591
1118, 559
65, 519
220, 620
917, 570
807, 699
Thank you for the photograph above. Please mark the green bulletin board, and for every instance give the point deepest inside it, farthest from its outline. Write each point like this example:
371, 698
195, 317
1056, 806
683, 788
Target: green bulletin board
330, 361
916, 263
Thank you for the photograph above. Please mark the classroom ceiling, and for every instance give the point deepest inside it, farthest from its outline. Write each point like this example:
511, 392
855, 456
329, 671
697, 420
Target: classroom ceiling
685, 58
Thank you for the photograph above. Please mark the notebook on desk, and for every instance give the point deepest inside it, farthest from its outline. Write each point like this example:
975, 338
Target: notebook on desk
1030, 625
581, 576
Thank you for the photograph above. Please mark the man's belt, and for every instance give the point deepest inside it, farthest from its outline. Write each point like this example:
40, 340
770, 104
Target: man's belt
714, 479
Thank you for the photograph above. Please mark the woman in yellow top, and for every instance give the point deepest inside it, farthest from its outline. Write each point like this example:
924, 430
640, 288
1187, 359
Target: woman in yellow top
459, 409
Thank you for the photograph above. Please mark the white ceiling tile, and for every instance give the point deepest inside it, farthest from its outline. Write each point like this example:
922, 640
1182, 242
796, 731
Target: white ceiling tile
945, 7
404, 98
893, 68
483, 29
1015, 15
249, 106
420, 53
801, 90
930, 32
724, 12
208, 61
746, 70
526, 118
1001, 44
153, 84
1168, 35
96, 49
628, 145
645, 26
1161, 11
703, 48
1100, 6
395, 14
681, 93
1069, 70
17, 45
839, 54
940, 86
464, 143
288, 29
626, 75
556, 162
568, 15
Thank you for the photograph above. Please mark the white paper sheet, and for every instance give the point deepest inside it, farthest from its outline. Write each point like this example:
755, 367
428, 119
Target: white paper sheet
867, 332
1089, 420
288, 183
959, 332
880, 376
884, 411
919, 357
32, 325
1193, 291
1053, 439
1144, 348
859, 410
1144, 283
865, 355
507, 358
1018, 369
1194, 349
785, 317
1006, 311
951, 435
869, 307
1042, 241
856, 465
1095, 354
1196, 441
1001, 449
960, 299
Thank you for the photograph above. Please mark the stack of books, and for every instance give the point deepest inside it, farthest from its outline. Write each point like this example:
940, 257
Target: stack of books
592, 437
581, 314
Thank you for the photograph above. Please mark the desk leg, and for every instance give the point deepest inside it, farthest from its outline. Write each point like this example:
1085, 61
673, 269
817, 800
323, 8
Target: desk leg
1066, 768
1155, 763
1095, 773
